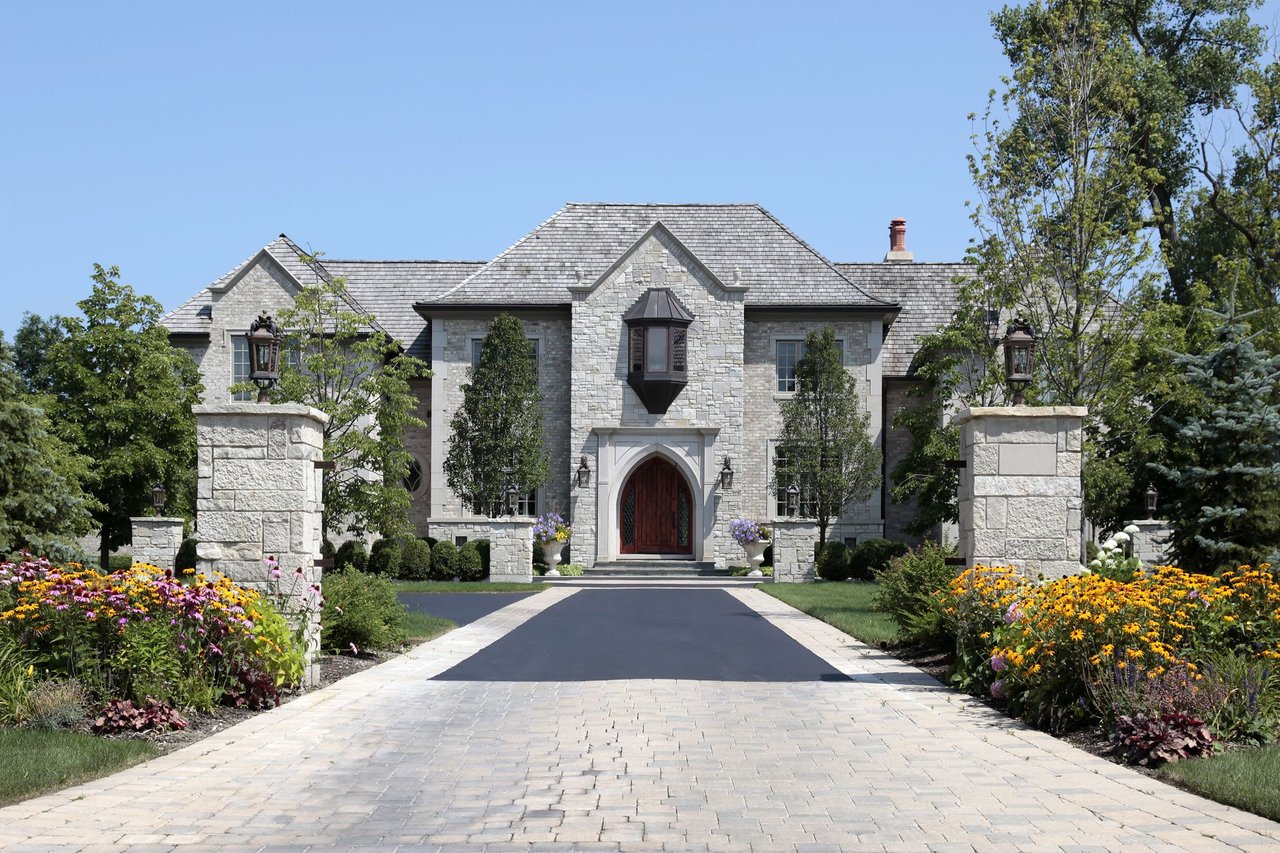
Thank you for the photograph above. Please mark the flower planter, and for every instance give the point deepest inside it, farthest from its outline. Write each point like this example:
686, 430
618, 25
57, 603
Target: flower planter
755, 556
552, 554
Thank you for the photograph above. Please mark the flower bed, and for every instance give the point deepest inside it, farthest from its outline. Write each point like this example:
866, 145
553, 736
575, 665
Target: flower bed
1138, 653
144, 634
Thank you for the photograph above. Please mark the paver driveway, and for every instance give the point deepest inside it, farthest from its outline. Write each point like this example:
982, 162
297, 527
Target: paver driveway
395, 757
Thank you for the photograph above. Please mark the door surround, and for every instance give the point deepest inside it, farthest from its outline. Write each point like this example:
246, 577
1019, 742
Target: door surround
620, 450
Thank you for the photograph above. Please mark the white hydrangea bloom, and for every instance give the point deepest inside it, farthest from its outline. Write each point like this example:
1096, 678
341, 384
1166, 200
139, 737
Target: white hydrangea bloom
1132, 530
1121, 537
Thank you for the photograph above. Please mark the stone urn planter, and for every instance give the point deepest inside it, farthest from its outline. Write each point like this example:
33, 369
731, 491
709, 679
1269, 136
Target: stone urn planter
755, 556
552, 554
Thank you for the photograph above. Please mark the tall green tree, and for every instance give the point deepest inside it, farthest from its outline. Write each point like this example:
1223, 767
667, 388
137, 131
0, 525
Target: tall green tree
42, 505
824, 448
1223, 477
122, 396
32, 345
358, 376
496, 434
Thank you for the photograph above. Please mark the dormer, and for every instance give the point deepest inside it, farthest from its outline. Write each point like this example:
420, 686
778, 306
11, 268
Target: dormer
657, 343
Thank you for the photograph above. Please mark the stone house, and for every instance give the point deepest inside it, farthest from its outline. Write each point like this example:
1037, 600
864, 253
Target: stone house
666, 336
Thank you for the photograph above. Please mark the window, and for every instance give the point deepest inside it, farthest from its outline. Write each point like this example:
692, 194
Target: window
526, 504
808, 504
477, 345
657, 348
787, 353
413, 480
240, 367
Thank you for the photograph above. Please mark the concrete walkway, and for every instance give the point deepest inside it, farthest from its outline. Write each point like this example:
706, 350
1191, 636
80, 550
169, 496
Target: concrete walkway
885, 760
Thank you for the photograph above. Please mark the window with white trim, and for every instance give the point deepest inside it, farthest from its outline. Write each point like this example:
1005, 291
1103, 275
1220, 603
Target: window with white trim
787, 352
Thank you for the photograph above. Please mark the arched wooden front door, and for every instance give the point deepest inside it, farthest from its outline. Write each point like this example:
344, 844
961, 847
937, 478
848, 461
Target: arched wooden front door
657, 511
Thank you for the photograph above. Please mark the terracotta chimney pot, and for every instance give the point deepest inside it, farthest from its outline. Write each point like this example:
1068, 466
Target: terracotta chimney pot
898, 241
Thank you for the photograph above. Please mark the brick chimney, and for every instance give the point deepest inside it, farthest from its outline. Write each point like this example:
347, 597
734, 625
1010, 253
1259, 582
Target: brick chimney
898, 241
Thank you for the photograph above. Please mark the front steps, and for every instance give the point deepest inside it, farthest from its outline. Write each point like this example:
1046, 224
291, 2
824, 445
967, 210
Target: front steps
655, 569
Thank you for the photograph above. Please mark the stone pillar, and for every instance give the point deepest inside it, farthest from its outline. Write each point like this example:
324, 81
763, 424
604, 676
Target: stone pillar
511, 550
1151, 542
1020, 490
258, 494
793, 543
156, 540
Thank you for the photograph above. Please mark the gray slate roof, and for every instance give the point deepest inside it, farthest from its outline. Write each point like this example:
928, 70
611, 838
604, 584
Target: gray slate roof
927, 294
739, 244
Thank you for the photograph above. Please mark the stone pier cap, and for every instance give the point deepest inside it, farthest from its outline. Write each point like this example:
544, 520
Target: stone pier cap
261, 410
965, 415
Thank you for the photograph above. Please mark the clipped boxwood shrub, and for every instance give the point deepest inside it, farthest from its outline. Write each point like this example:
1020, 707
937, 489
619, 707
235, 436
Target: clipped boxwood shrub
186, 558
470, 566
444, 559
482, 545
362, 611
119, 562
327, 551
384, 558
352, 553
430, 540
870, 557
907, 590
833, 562
415, 560
539, 559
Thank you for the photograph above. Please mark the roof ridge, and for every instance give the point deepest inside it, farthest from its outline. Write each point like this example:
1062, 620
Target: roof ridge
500, 255
400, 261
902, 265
316, 266
662, 204
818, 255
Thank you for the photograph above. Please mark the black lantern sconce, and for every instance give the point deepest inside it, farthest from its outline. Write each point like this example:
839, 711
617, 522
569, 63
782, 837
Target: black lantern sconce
1019, 353
264, 354
512, 491
726, 476
583, 474
1152, 495
158, 495
793, 499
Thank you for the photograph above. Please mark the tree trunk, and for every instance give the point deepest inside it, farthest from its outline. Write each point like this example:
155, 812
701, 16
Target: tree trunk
104, 550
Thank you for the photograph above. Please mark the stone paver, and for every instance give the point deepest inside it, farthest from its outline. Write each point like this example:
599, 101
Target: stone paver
390, 758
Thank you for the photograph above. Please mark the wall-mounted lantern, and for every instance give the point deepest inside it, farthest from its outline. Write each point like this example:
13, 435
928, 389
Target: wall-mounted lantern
1019, 353
1152, 495
583, 474
726, 476
793, 499
158, 495
264, 354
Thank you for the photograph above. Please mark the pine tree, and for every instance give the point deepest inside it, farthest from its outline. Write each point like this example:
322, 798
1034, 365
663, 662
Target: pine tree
42, 506
824, 448
497, 431
1222, 491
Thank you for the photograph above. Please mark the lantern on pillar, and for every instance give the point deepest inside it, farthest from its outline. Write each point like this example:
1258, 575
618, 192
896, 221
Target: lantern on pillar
158, 495
1019, 353
1151, 495
264, 354
512, 491
793, 499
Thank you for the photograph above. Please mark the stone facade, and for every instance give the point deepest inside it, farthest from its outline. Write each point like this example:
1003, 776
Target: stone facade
258, 495
156, 540
1020, 491
1151, 542
511, 550
793, 543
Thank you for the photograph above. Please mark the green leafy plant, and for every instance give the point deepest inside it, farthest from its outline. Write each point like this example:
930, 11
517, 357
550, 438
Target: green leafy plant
909, 589
384, 558
148, 659
870, 557
444, 561
571, 570
360, 612
1152, 741
415, 560
470, 565
833, 562
352, 553
16, 673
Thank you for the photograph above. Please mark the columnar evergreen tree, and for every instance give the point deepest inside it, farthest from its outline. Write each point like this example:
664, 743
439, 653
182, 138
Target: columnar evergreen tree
32, 345
1222, 484
121, 395
358, 377
496, 434
824, 447
42, 506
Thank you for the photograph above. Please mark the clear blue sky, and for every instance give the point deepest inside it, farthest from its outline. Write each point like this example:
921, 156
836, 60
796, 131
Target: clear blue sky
176, 139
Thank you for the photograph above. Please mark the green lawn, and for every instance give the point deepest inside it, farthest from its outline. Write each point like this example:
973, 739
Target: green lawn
37, 762
467, 586
845, 605
1248, 779
424, 626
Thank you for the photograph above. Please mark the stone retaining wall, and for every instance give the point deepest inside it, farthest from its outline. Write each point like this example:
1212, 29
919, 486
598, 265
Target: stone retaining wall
793, 543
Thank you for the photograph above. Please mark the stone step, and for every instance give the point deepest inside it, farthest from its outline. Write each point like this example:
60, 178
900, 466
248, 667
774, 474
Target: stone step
655, 569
